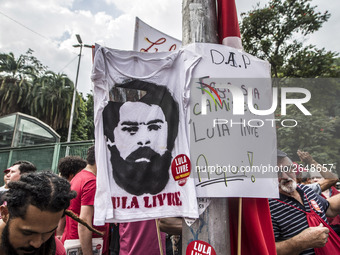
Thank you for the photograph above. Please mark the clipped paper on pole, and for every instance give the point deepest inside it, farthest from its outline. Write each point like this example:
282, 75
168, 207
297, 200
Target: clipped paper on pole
149, 39
232, 145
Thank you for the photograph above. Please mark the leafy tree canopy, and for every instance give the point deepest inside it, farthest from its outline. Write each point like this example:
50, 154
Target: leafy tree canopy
270, 33
27, 86
275, 33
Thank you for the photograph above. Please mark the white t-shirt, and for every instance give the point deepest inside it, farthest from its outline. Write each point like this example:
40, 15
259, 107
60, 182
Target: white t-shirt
139, 134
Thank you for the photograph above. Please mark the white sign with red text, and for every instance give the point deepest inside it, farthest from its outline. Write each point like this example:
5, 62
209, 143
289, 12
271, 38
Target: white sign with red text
149, 39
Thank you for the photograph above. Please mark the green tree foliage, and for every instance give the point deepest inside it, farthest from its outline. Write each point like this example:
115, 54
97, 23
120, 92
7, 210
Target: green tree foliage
27, 86
16, 76
51, 99
81, 124
275, 33
90, 116
270, 33
317, 134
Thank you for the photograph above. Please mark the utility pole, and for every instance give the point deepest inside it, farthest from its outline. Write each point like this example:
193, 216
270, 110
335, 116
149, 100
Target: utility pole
200, 25
199, 21
81, 45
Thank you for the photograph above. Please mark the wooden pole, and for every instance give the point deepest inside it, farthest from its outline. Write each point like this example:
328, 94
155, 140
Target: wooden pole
239, 227
159, 238
200, 25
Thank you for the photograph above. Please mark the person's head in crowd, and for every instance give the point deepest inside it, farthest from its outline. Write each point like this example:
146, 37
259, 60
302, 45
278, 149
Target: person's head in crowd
315, 176
6, 177
30, 214
141, 136
91, 157
287, 177
18, 168
69, 166
304, 178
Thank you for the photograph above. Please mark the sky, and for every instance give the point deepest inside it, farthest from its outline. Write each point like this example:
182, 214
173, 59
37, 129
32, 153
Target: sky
49, 27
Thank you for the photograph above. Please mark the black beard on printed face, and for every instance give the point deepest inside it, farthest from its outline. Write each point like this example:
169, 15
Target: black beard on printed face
138, 178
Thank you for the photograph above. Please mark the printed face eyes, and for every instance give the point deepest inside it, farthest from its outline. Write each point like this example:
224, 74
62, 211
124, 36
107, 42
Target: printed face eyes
133, 127
154, 127
140, 125
131, 130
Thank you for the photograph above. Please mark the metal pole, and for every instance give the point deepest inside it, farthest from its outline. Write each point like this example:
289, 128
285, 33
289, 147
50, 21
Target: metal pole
200, 25
74, 98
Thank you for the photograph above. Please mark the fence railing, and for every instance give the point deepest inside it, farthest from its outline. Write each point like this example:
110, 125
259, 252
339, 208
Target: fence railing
45, 157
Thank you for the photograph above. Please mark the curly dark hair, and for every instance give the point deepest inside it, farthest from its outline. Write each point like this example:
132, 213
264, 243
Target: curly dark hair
70, 165
91, 158
25, 166
45, 190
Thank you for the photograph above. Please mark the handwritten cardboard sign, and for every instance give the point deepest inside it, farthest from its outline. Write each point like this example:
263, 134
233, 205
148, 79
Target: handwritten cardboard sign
232, 155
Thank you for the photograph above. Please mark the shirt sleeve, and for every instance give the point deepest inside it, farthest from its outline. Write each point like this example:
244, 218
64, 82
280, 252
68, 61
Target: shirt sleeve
323, 202
315, 187
88, 192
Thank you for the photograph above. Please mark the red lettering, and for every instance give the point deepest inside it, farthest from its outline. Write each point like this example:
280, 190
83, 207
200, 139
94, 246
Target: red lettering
158, 42
115, 202
154, 199
134, 202
124, 202
169, 196
171, 199
173, 47
146, 202
177, 196
161, 198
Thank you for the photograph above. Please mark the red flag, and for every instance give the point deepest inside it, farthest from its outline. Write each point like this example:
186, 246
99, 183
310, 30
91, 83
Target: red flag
228, 28
257, 235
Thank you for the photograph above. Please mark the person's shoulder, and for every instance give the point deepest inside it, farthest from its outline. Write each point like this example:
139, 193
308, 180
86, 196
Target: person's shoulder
313, 187
311, 194
83, 175
274, 203
84, 180
305, 187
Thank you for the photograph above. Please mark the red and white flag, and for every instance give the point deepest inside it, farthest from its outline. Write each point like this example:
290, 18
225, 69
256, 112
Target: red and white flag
228, 28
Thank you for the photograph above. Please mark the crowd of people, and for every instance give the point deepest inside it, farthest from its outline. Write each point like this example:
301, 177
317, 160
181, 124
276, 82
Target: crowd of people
42, 212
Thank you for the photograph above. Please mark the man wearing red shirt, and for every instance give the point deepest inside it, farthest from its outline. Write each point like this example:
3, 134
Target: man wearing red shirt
84, 183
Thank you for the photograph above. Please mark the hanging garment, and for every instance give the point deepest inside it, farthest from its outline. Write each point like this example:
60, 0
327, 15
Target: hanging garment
142, 138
